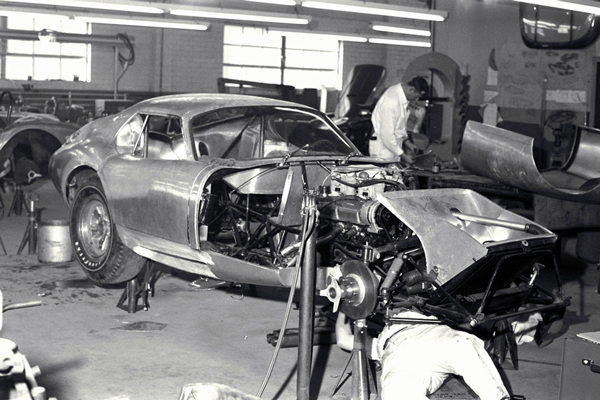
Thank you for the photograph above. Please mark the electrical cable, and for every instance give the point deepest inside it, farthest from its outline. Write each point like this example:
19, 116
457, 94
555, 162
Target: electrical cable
308, 226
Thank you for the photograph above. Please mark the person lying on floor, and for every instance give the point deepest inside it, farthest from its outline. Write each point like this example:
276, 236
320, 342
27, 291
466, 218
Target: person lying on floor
416, 359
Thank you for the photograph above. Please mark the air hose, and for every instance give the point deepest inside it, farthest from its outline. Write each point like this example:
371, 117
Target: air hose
307, 227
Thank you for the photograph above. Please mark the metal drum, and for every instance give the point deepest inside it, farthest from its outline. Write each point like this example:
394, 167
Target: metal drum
54, 242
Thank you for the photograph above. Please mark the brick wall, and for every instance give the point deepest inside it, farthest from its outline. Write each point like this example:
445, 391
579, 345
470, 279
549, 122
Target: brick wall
398, 58
192, 61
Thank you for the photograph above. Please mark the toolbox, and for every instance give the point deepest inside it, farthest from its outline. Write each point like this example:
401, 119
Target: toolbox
580, 370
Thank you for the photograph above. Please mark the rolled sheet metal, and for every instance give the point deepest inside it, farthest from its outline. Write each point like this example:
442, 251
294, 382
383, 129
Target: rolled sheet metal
507, 157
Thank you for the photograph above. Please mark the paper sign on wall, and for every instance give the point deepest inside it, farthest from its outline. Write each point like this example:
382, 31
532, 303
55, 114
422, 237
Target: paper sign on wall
566, 96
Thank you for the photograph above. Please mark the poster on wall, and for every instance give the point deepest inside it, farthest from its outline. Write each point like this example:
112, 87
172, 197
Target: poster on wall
541, 79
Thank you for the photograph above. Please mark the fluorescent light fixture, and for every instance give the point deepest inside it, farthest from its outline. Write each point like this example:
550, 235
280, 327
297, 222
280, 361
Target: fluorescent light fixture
19, 12
589, 7
386, 10
399, 42
276, 2
126, 6
385, 27
320, 34
241, 15
151, 23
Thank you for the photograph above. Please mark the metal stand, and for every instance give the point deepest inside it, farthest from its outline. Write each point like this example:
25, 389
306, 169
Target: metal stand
30, 235
3, 248
1, 199
360, 386
17, 202
140, 287
307, 309
363, 382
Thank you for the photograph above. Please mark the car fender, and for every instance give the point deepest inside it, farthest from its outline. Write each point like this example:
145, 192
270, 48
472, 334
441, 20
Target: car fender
9, 138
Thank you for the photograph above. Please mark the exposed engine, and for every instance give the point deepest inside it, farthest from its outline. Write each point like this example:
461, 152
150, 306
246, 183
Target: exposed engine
451, 253
351, 218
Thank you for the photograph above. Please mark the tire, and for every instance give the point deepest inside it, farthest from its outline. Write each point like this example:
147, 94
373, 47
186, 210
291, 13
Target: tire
96, 243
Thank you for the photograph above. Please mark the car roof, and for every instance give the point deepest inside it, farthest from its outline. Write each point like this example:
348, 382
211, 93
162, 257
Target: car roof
193, 104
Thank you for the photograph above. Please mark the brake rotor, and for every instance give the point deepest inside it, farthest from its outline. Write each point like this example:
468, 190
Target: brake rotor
360, 290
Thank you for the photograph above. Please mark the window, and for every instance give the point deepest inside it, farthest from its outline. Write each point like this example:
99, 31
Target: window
44, 59
151, 136
130, 138
254, 54
244, 133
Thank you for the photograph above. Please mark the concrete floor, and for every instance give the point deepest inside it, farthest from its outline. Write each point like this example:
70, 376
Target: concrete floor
86, 349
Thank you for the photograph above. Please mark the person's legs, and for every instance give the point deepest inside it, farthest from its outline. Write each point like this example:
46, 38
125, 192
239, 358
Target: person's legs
409, 367
401, 383
418, 360
466, 356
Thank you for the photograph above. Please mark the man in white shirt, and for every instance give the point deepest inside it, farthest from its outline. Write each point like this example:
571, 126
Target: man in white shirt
389, 118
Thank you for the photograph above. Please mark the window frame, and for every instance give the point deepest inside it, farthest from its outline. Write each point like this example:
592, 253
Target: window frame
34, 57
283, 66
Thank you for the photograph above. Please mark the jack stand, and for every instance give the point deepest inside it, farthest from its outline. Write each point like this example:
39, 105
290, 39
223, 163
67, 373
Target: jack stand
17, 202
362, 384
1, 199
30, 234
140, 287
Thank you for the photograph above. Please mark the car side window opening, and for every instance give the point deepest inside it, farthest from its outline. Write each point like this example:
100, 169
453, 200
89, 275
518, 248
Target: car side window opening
129, 139
150, 136
230, 133
243, 133
164, 139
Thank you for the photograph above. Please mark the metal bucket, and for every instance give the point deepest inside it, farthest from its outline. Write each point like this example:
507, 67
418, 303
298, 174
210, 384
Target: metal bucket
54, 242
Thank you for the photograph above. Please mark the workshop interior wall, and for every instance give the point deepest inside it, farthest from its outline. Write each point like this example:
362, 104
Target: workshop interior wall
173, 61
484, 39
511, 85
166, 60
472, 30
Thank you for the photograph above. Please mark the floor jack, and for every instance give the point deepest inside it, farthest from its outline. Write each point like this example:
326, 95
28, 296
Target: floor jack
138, 288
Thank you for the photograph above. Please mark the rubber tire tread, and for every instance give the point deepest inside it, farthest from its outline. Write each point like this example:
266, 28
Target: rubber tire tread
121, 264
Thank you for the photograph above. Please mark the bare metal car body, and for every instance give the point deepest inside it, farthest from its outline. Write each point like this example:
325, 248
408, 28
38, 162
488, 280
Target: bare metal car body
32, 135
507, 157
218, 184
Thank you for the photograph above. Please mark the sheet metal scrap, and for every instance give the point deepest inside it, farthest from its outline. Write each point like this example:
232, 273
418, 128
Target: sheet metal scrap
507, 157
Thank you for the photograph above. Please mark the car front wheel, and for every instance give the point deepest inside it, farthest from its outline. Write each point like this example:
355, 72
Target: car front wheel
95, 241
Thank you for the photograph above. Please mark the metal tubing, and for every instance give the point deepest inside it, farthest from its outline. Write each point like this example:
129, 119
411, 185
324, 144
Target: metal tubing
32, 203
491, 221
132, 288
307, 309
360, 385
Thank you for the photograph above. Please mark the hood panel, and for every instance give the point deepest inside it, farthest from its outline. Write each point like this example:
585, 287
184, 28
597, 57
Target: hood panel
451, 243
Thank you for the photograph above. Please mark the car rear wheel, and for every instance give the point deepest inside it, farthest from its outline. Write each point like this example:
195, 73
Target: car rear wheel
95, 241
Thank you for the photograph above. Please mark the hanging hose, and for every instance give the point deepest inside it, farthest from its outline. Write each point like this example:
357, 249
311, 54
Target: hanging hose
128, 61
307, 227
